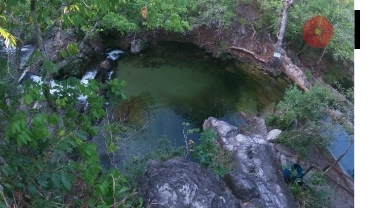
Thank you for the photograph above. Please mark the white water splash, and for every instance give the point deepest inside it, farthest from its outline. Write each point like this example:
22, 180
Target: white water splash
114, 54
55, 87
110, 75
88, 75
36, 79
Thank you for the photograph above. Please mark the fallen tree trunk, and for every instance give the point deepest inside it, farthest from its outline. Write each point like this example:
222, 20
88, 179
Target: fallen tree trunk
294, 73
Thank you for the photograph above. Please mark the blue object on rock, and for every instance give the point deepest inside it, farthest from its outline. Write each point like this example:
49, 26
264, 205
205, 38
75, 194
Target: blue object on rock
292, 174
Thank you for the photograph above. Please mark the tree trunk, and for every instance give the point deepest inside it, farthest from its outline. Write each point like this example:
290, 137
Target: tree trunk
284, 19
36, 24
276, 62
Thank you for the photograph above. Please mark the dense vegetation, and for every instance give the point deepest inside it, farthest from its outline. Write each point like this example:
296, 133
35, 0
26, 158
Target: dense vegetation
305, 120
46, 157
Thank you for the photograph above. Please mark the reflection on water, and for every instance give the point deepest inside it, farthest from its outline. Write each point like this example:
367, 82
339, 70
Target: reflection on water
173, 83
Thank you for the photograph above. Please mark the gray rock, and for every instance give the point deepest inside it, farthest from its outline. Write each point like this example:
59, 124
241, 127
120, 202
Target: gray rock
273, 134
136, 46
223, 129
256, 125
256, 160
283, 160
177, 183
285, 150
242, 186
256, 178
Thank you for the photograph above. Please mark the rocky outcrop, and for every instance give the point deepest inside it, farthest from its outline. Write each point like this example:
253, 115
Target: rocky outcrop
256, 177
103, 70
177, 183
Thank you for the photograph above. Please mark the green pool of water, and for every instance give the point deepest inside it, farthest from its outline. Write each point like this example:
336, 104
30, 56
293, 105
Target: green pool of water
172, 83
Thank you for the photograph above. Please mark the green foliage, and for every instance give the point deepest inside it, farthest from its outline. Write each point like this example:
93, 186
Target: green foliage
166, 151
337, 74
71, 49
170, 15
9, 39
301, 115
218, 13
308, 75
45, 156
271, 10
211, 156
304, 138
298, 107
120, 23
114, 90
312, 194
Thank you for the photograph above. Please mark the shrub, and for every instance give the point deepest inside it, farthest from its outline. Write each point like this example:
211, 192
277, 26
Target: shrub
211, 156
302, 117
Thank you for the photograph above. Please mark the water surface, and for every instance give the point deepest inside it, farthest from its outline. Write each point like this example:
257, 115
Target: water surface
173, 83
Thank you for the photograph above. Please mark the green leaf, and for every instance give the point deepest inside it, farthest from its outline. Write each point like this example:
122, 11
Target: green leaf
141, 200
32, 189
17, 127
9, 186
28, 99
19, 142
53, 119
122, 190
102, 206
55, 178
7, 171
21, 137
81, 134
65, 181
20, 185
26, 136
42, 179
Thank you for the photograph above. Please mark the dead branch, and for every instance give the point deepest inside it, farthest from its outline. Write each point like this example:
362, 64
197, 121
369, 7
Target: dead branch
249, 52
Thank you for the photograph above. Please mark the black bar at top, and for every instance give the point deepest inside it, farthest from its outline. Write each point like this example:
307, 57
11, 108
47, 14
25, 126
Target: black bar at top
357, 29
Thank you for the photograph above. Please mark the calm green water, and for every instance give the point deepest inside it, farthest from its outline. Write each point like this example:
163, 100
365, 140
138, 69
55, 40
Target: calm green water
172, 83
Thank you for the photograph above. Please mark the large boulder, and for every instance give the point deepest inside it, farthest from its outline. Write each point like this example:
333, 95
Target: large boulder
256, 178
178, 183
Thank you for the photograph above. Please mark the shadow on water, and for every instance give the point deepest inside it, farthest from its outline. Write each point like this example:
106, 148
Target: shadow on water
172, 83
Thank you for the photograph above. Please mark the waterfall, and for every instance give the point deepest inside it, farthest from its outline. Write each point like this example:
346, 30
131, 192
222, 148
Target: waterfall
27, 50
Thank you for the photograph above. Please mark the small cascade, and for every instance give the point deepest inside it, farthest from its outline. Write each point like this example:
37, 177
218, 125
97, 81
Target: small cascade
113, 55
85, 80
89, 75
27, 50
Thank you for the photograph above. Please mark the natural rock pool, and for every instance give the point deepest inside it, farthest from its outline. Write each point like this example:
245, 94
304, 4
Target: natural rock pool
172, 83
